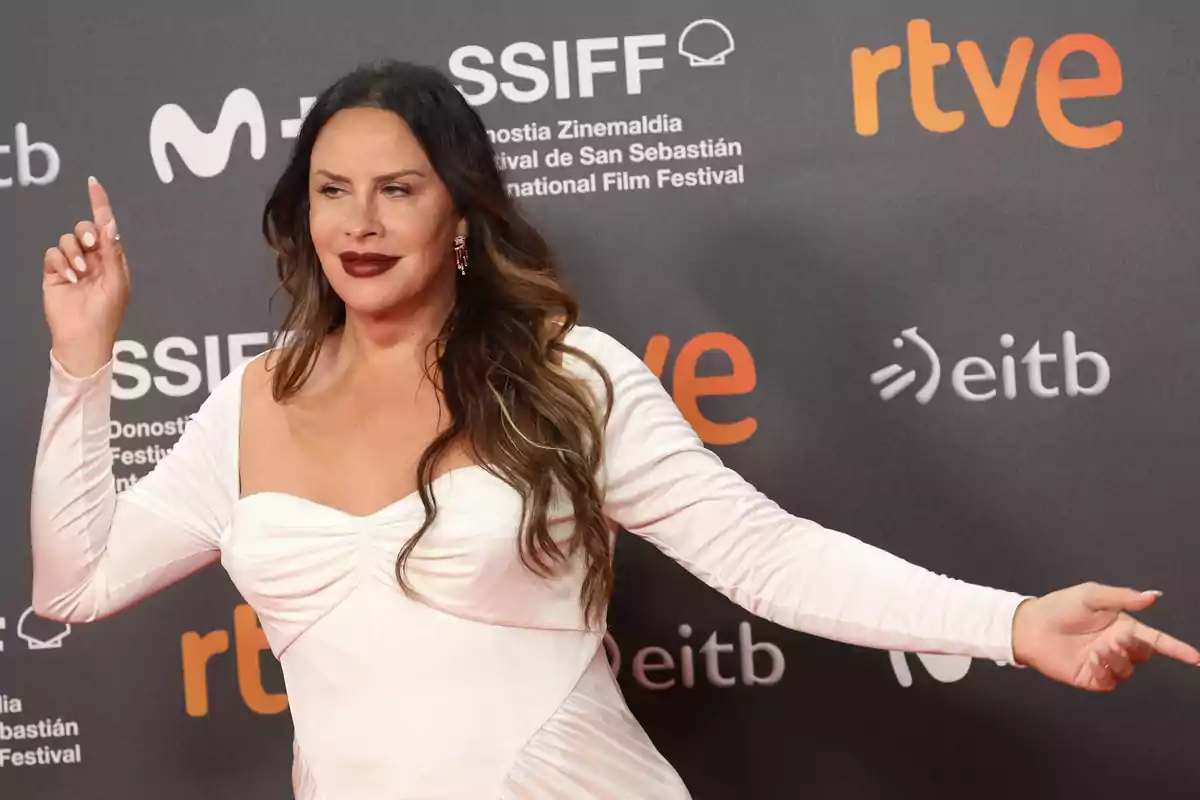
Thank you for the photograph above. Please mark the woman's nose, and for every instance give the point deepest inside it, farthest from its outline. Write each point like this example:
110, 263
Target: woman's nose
364, 220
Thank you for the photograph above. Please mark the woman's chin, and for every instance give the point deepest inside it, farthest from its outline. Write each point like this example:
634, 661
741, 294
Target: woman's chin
372, 297
373, 306
387, 293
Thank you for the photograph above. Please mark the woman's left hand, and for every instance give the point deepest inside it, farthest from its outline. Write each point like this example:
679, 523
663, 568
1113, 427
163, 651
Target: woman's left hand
1083, 636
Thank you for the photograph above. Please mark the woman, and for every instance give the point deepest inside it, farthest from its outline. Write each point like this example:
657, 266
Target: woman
418, 491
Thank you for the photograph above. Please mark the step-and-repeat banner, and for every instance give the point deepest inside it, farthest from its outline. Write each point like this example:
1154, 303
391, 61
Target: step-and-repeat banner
923, 271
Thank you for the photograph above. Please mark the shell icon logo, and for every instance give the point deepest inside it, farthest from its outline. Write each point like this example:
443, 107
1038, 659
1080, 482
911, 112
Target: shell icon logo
696, 40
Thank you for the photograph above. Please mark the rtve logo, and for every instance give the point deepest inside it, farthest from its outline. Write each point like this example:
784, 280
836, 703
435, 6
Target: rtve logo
975, 370
25, 150
997, 99
206, 153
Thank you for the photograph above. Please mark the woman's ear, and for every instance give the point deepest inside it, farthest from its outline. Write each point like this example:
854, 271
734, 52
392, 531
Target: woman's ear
462, 228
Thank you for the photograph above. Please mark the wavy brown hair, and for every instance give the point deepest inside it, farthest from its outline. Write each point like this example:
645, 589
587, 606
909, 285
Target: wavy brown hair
498, 367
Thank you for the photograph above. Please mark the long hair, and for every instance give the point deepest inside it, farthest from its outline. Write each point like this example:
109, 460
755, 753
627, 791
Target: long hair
524, 417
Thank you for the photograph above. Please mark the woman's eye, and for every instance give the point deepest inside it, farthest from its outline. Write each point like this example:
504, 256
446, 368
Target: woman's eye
391, 190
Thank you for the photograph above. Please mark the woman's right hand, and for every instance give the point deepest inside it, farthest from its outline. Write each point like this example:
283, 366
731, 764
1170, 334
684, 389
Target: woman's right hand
85, 287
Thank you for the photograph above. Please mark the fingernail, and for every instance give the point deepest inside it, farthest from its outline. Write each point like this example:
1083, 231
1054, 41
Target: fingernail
88, 239
92, 180
72, 277
1153, 593
80, 264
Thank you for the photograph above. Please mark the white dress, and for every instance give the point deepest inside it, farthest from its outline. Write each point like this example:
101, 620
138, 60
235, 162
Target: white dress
490, 685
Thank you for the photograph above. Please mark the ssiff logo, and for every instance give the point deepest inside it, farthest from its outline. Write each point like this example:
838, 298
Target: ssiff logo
703, 43
974, 371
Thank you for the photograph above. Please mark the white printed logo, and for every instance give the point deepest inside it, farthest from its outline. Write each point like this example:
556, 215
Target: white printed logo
52, 639
523, 79
925, 394
25, 149
178, 366
207, 154
656, 668
976, 371
705, 26
943, 668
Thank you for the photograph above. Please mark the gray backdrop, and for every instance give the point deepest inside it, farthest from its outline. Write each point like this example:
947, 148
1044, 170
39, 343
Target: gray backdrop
798, 280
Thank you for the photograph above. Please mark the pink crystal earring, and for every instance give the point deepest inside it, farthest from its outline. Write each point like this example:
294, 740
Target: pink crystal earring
460, 254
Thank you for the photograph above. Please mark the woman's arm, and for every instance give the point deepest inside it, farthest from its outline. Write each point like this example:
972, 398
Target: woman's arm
96, 552
662, 484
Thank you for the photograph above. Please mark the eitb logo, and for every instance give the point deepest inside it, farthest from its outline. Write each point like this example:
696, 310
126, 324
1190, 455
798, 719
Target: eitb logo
1046, 374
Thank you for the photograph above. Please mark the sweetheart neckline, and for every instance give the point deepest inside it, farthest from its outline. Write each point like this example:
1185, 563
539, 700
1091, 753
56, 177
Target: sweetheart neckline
382, 510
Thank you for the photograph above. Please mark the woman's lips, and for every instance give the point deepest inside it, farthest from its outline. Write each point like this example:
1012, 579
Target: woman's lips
367, 265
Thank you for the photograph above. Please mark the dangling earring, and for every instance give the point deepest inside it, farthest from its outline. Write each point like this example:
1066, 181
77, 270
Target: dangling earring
460, 254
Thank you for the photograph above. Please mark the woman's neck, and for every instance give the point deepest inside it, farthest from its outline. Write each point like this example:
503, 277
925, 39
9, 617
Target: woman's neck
391, 342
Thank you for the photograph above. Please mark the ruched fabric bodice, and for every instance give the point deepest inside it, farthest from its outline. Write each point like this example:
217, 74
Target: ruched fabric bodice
448, 689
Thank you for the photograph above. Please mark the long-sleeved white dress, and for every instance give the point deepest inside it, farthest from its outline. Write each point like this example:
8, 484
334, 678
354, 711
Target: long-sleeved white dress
490, 685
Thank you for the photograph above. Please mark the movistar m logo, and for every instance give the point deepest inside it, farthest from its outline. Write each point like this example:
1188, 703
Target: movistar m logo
206, 154
942, 667
973, 378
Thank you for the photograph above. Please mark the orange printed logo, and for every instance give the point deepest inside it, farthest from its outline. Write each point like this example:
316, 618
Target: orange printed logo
997, 98
250, 645
687, 388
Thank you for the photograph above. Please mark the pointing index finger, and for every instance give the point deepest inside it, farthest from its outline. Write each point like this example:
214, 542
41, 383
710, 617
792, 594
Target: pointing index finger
102, 213
1167, 645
